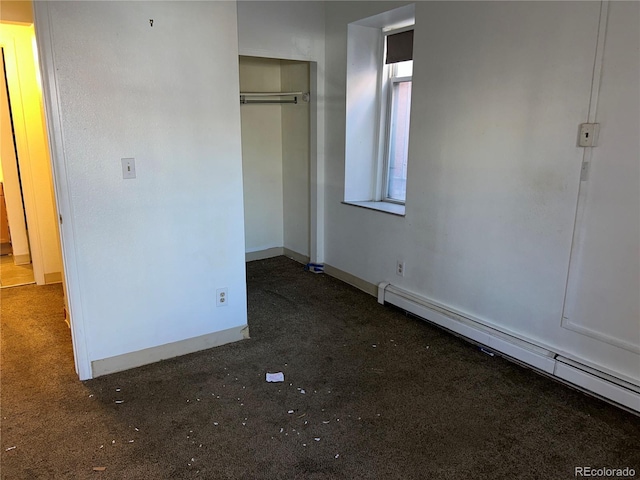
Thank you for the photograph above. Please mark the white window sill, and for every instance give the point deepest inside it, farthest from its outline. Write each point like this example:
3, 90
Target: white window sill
386, 207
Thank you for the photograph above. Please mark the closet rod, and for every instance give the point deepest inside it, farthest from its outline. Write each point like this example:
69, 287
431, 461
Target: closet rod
244, 95
269, 94
247, 102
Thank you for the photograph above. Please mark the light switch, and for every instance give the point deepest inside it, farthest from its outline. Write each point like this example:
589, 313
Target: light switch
128, 168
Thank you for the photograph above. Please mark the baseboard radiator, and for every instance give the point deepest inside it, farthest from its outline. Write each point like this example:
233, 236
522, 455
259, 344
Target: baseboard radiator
491, 340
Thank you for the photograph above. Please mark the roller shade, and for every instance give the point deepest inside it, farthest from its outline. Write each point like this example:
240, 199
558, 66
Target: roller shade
399, 47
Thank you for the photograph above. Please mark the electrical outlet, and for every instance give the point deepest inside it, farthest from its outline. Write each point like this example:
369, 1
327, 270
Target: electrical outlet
222, 297
400, 268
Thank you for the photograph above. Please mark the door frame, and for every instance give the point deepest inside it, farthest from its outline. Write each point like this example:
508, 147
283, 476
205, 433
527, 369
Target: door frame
51, 105
316, 147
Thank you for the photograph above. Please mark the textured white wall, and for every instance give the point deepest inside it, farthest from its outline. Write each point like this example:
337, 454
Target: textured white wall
499, 91
152, 251
261, 156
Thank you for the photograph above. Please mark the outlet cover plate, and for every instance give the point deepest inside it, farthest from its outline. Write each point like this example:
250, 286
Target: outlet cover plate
222, 297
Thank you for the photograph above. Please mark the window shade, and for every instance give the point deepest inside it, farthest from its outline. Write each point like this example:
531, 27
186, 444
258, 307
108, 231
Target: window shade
399, 47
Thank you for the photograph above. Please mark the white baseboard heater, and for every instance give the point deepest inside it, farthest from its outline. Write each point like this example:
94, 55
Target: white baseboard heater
566, 370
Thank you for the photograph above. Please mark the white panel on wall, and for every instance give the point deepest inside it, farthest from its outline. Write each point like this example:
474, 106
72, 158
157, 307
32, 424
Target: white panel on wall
604, 281
151, 251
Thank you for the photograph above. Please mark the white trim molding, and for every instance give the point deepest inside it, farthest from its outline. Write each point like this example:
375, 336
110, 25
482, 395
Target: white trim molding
169, 350
61, 189
263, 254
352, 280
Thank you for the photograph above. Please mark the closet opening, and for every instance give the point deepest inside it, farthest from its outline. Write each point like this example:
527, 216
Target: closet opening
276, 153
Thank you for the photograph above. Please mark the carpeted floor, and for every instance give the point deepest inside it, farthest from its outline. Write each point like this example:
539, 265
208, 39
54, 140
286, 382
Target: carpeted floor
386, 396
12, 275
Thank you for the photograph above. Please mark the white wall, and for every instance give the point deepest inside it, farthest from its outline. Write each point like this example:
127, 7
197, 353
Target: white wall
295, 158
149, 253
364, 51
499, 91
262, 157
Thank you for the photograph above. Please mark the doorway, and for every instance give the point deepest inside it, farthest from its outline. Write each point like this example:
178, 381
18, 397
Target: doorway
26, 168
275, 115
15, 257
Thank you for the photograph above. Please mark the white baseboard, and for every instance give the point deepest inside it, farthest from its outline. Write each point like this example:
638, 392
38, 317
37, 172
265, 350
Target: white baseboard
262, 254
298, 257
518, 349
352, 280
276, 252
169, 350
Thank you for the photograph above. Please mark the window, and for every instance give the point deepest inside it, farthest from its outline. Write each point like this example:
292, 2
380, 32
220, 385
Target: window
399, 74
378, 103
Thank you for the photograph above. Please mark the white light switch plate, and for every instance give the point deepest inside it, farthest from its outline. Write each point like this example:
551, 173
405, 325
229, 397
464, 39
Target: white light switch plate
128, 168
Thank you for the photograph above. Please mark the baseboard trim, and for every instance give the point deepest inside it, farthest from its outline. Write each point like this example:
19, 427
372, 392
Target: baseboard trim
54, 277
126, 361
516, 349
352, 280
298, 257
22, 259
262, 254
276, 252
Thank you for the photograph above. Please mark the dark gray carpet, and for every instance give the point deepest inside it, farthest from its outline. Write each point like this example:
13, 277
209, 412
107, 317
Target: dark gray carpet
386, 397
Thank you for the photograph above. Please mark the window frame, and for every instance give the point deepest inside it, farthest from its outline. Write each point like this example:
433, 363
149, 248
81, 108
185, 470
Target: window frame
366, 107
387, 81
